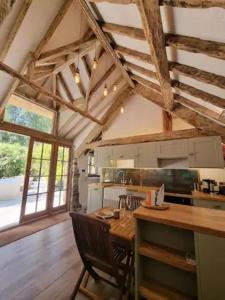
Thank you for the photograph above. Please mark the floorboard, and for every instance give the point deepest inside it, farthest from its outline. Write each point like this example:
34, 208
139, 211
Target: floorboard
44, 266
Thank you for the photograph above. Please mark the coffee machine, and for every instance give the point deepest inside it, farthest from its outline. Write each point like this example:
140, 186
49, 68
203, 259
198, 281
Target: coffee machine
208, 185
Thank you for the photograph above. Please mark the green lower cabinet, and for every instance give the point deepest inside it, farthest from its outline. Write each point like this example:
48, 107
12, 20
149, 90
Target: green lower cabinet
210, 260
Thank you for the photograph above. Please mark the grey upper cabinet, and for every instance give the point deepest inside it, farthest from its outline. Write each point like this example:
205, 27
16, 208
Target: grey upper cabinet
172, 149
104, 157
205, 152
125, 152
147, 156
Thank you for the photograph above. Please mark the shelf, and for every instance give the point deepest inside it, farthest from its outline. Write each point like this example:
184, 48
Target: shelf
166, 255
156, 291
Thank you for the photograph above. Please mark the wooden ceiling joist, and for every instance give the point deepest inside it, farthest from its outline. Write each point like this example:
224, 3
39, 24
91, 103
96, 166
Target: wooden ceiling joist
188, 115
194, 3
45, 92
103, 39
197, 74
152, 24
133, 53
146, 83
131, 32
155, 137
176, 3
192, 91
167, 121
140, 70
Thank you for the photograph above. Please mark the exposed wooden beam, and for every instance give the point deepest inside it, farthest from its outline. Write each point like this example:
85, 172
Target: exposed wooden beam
199, 108
197, 74
15, 28
62, 81
135, 33
103, 39
56, 21
196, 45
193, 118
140, 70
146, 83
194, 3
155, 137
80, 84
67, 49
133, 53
33, 133
178, 3
45, 92
192, 91
152, 24
167, 121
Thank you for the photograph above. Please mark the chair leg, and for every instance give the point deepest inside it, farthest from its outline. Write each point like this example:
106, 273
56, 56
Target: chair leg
76, 288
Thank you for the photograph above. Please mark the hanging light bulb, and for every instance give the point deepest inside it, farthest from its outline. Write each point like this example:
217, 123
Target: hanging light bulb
114, 88
94, 66
77, 76
105, 92
122, 109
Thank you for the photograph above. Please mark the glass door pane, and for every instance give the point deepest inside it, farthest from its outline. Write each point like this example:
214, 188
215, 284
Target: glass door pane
36, 196
61, 179
13, 159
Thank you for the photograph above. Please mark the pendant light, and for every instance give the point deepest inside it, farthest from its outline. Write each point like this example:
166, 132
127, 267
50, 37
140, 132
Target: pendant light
115, 88
77, 75
122, 109
94, 65
105, 92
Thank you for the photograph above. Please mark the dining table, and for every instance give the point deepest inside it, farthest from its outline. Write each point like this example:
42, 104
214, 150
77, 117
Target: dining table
123, 229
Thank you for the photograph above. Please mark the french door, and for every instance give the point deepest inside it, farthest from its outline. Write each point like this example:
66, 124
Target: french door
46, 181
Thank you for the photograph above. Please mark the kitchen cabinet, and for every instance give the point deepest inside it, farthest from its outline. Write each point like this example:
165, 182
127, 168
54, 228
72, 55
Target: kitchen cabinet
209, 204
125, 152
95, 198
172, 149
104, 157
147, 156
205, 152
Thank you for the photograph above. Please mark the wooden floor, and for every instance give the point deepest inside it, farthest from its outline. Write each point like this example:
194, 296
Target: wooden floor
43, 266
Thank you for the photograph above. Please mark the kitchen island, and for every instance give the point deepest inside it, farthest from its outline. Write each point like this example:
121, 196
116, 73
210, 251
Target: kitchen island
179, 253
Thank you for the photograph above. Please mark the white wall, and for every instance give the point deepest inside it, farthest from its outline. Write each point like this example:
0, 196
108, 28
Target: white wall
140, 117
216, 174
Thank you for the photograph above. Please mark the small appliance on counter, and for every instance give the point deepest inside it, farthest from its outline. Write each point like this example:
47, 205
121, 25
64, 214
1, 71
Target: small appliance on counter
222, 188
208, 185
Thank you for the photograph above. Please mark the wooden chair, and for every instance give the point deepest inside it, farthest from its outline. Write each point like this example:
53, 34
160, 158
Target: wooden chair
133, 202
122, 201
97, 250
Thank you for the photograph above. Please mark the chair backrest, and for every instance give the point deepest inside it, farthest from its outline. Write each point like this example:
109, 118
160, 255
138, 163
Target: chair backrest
122, 201
93, 241
134, 202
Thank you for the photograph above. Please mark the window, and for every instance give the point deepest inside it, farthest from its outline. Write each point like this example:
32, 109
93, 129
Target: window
26, 113
61, 179
91, 164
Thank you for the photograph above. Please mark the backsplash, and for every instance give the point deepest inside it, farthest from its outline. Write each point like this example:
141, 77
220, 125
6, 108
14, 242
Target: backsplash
175, 180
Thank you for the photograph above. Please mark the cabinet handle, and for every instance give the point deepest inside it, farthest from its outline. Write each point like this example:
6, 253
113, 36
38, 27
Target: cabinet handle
191, 154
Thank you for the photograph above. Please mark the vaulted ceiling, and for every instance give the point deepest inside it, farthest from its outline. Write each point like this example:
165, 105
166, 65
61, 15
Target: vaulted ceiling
171, 52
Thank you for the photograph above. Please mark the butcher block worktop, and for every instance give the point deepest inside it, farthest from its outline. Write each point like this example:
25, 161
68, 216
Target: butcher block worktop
204, 220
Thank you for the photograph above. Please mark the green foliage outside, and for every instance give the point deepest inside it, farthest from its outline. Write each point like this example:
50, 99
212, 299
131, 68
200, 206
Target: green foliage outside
27, 118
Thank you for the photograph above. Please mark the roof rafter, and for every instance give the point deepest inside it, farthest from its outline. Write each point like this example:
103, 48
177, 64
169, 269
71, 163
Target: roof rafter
152, 24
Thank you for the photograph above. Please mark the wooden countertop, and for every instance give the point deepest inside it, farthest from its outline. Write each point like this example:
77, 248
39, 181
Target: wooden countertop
136, 188
204, 220
204, 196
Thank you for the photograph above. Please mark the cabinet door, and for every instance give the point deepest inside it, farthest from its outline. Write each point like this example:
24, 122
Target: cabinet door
206, 152
125, 152
172, 149
209, 204
104, 157
146, 156
210, 260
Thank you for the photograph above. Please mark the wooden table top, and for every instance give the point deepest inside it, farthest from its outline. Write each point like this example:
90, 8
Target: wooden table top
124, 227
205, 220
